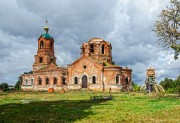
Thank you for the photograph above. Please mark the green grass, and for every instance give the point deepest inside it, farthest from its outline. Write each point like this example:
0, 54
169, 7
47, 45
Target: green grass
76, 106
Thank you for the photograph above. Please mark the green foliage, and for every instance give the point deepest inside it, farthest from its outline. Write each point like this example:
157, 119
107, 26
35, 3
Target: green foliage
136, 87
18, 85
167, 83
30, 72
167, 27
109, 64
171, 86
4, 86
178, 90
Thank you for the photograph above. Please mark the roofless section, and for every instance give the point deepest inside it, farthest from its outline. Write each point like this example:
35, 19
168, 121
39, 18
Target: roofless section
98, 49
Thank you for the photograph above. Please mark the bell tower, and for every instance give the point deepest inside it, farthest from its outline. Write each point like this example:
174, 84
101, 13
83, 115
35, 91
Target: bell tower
45, 53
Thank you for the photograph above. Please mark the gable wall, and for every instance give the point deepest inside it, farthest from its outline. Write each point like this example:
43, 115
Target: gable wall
78, 70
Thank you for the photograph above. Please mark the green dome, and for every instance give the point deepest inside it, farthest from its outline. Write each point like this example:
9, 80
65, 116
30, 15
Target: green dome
46, 35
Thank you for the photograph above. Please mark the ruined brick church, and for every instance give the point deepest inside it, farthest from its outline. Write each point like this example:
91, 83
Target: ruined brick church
94, 70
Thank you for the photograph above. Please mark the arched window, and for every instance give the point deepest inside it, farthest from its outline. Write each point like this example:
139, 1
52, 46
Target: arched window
91, 48
75, 80
126, 80
47, 81
102, 49
41, 44
40, 59
26, 82
51, 60
39, 81
117, 79
94, 80
31, 81
55, 81
63, 80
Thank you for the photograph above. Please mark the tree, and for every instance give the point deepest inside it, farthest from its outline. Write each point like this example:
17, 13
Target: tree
167, 27
177, 84
171, 86
167, 83
4, 86
18, 85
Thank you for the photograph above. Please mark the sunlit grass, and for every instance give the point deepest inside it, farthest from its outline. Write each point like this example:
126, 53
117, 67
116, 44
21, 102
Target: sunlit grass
76, 106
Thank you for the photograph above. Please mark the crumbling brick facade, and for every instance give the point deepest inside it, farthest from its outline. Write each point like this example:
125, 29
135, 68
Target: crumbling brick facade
94, 70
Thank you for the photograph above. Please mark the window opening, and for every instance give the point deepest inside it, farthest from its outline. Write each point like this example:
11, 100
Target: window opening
102, 49
47, 81
92, 48
75, 80
55, 81
94, 80
41, 44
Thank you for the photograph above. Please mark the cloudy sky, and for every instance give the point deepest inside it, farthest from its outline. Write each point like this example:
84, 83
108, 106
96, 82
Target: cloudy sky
127, 24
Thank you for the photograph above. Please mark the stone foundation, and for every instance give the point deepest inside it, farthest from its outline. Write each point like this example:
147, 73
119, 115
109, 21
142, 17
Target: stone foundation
92, 87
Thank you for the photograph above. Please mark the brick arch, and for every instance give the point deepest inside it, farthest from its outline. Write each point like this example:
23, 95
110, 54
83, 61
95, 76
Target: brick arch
117, 79
40, 59
72, 82
32, 80
82, 76
95, 78
76, 80
63, 80
103, 48
55, 80
92, 47
42, 44
127, 80
47, 80
26, 81
39, 81
87, 81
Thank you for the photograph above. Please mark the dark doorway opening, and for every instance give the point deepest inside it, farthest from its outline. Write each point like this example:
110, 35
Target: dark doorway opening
84, 81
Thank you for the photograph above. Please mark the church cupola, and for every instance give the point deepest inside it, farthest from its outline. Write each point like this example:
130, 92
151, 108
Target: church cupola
46, 35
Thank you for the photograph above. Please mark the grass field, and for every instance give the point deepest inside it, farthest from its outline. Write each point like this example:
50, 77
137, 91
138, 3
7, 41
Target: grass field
76, 106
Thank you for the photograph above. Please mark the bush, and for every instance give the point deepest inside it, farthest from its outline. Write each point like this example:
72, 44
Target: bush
171, 90
136, 87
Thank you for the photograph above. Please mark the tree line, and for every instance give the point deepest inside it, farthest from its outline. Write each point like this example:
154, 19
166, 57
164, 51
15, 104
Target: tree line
170, 85
6, 87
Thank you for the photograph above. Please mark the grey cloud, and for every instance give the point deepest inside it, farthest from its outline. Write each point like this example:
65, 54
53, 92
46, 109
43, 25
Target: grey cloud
126, 24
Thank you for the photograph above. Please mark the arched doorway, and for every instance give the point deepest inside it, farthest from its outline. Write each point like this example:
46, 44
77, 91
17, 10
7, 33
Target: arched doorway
84, 81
